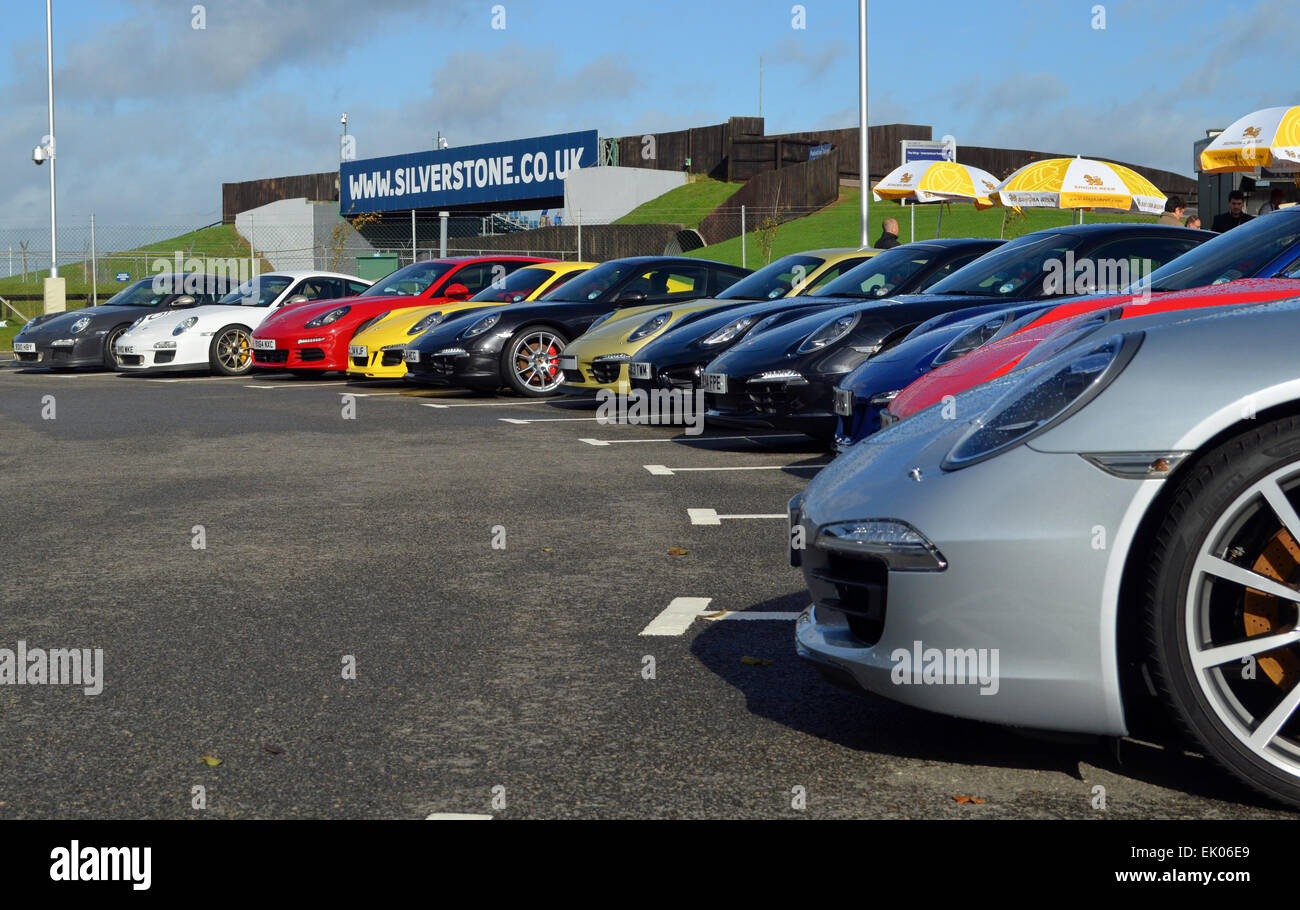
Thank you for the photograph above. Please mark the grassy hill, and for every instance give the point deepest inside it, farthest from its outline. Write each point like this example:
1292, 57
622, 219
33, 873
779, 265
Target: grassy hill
685, 205
837, 225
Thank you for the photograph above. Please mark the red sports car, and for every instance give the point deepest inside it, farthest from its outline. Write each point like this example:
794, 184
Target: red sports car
313, 337
1055, 329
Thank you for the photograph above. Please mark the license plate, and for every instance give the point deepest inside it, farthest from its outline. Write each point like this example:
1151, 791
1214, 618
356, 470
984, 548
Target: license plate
358, 350
411, 356
716, 383
126, 349
638, 370
568, 362
24, 347
264, 344
844, 402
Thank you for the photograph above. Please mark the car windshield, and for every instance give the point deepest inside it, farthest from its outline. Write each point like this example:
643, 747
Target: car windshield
880, 275
593, 284
257, 291
1010, 269
774, 280
410, 281
1240, 253
514, 287
142, 293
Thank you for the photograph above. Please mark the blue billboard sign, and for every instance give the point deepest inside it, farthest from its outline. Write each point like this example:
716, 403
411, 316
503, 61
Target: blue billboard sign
474, 175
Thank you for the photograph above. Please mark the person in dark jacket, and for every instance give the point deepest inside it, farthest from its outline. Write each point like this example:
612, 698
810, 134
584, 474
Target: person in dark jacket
1234, 216
888, 235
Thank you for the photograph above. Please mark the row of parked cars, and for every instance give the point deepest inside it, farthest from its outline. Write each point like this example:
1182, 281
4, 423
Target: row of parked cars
1095, 483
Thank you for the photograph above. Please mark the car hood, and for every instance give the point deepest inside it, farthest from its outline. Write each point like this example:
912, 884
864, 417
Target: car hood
684, 337
63, 321
613, 335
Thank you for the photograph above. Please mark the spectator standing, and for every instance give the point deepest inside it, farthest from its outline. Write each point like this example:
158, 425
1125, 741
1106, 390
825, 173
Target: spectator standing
1174, 211
1234, 216
1193, 222
888, 235
1275, 200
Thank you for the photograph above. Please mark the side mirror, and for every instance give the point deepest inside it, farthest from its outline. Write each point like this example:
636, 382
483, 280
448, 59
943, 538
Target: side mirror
296, 298
456, 292
183, 300
630, 298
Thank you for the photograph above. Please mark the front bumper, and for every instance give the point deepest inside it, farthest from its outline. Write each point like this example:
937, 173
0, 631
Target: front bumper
591, 375
377, 363
142, 354
85, 350
455, 366
1027, 585
804, 406
325, 351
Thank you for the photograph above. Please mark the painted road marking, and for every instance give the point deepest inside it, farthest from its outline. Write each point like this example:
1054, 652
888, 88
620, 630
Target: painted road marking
753, 615
518, 420
195, 379
662, 471
610, 442
456, 817
677, 616
711, 517
306, 385
496, 404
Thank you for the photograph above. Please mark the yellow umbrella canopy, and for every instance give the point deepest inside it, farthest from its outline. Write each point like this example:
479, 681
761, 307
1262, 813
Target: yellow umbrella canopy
1079, 183
1269, 138
937, 181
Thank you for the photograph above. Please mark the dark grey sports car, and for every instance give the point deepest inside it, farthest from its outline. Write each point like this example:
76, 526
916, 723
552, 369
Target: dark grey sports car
84, 337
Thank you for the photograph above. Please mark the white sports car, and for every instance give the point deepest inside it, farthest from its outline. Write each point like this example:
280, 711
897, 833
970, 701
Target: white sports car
218, 335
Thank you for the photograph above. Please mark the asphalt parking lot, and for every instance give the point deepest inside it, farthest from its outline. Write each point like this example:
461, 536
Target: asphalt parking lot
512, 675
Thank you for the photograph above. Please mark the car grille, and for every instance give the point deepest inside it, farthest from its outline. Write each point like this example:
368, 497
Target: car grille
164, 356
361, 361
442, 366
29, 358
860, 586
392, 358
775, 397
132, 360
271, 356
309, 355
605, 372
57, 354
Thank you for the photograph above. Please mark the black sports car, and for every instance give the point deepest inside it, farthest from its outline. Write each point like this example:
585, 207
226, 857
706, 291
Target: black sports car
785, 377
85, 337
518, 345
677, 360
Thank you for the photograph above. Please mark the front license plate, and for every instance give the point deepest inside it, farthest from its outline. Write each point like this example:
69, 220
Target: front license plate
638, 370
411, 356
126, 349
568, 362
844, 402
358, 350
264, 344
716, 383
24, 347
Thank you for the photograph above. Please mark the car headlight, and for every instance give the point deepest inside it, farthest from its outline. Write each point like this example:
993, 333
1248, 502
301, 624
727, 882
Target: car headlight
369, 322
481, 326
729, 332
903, 547
970, 340
1067, 335
185, 325
1059, 389
80, 325
426, 323
333, 315
830, 332
650, 326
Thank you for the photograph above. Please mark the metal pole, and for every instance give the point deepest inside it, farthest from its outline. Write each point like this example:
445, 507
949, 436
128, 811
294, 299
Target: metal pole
578, 218
742, 238
912, 206
414, 254
94, 265
442, 235
49, 59
251, 246
863, 159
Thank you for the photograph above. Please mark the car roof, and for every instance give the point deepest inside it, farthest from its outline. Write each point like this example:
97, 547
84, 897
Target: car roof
1105, 227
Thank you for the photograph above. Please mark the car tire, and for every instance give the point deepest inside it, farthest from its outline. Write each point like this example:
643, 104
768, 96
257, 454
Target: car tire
231, 352
110, 340
529, 361
1223, 565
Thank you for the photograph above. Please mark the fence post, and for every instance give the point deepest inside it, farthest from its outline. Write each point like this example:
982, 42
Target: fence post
414, 254
251, 247
742, 238
94, 265
442, 235
578, 219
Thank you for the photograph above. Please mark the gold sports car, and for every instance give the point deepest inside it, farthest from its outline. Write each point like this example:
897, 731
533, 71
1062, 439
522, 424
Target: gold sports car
377, 349
598, 359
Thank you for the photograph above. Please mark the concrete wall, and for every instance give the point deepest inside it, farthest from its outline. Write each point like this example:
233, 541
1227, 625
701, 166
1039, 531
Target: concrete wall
599, 195
297, 234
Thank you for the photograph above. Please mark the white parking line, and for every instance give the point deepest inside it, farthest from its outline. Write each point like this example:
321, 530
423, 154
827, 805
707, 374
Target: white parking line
194, 379
610, 442
752, 614
306, 385
677, 616
662, 471
519, 420
497, 404
711, 517
456, 817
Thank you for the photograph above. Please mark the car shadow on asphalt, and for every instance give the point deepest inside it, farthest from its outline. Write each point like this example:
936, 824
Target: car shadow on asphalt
758, 659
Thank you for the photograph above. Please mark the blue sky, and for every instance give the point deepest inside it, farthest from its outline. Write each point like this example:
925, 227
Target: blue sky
153, 115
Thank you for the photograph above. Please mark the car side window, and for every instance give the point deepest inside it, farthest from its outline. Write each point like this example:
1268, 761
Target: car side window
949, 267
314, 289
475, 277
1116, 264
670, 282
834, 272
355, 288
723, 280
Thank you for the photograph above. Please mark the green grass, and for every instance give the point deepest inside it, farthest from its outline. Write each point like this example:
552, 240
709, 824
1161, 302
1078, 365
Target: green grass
218, 242
838, 226
685, 205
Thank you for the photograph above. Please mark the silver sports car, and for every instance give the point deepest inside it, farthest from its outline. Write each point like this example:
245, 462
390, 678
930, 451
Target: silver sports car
1116, 523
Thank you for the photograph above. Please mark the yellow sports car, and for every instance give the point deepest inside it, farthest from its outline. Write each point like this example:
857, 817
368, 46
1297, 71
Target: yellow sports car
598, 359
377, 349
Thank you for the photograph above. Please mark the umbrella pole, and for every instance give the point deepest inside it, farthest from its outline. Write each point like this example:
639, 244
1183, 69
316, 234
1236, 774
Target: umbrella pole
940, 223
913, 208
